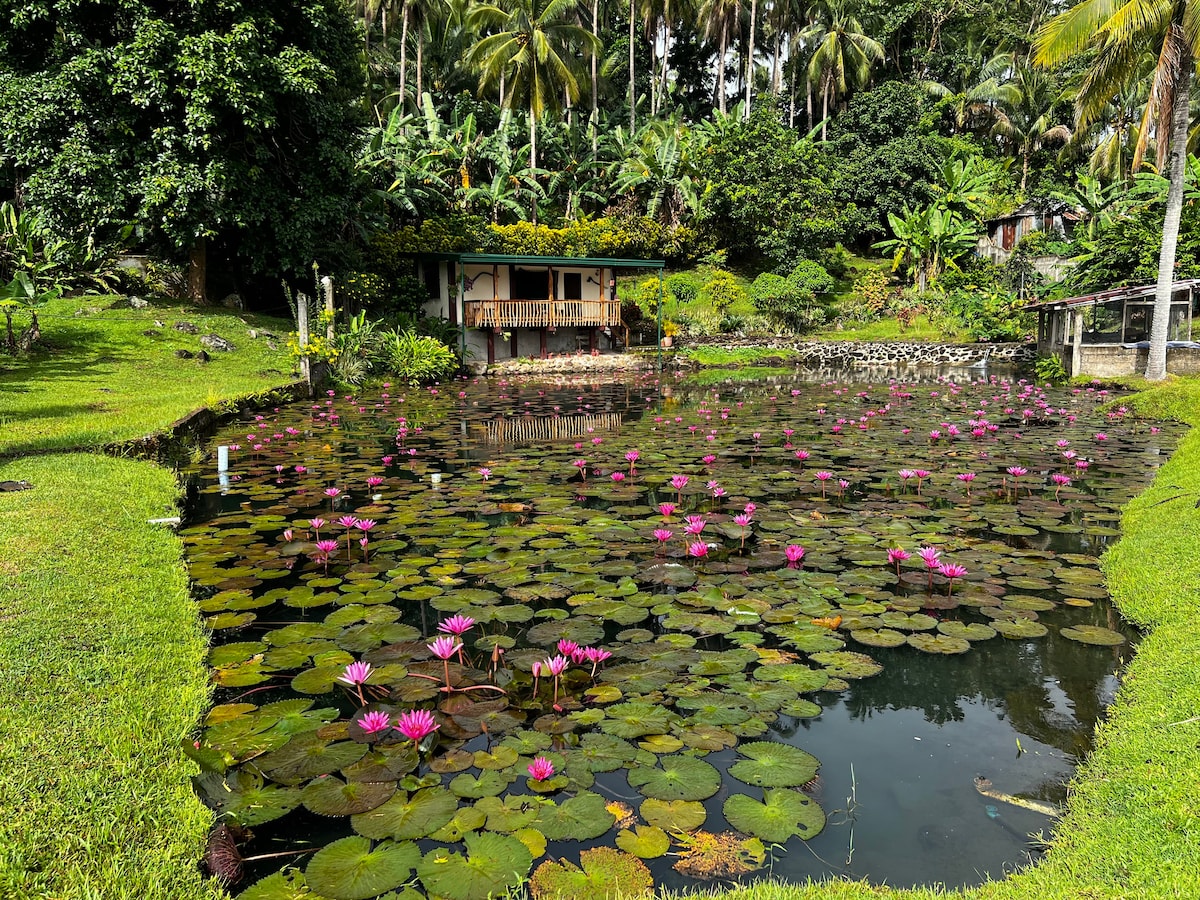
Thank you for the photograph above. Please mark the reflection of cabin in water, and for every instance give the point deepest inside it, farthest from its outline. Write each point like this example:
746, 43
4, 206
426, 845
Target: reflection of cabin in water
544, 429
509, 306
1108, 333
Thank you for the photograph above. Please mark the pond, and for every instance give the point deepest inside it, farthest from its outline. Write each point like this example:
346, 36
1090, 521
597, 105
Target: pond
688, 631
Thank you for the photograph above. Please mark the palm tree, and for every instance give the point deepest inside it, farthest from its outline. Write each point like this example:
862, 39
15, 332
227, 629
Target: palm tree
718, 16
533, 48
1026, 122
1130, 39
979, 93
843, 53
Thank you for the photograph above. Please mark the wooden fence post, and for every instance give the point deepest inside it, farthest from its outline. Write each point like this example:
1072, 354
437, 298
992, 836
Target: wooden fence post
302, 333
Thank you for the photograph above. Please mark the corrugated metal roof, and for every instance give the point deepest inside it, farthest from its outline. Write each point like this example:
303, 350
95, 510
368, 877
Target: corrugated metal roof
1122, 293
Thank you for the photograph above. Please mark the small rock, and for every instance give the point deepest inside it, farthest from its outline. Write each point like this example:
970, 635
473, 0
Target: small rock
150, 332
216, 342
138, 303
186, 328
253, 334
184, 354
159, 324
203, 356
15, 486
271, 345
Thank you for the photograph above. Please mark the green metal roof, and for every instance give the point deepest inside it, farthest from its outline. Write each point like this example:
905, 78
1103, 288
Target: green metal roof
505, 259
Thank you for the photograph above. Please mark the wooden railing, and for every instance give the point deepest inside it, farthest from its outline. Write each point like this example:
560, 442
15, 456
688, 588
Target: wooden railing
542, 313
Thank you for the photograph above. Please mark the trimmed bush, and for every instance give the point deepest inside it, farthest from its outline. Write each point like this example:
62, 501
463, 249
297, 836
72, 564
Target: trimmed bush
417, 359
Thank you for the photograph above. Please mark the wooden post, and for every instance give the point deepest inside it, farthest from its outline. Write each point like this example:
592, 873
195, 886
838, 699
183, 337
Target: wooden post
302, 332
327, 290
1076, 362
491, 346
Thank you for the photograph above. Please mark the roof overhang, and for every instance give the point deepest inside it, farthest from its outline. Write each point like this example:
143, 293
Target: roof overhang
1123, 293
506, 259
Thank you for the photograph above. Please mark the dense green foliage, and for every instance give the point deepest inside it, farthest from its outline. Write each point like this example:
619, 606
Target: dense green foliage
229, 121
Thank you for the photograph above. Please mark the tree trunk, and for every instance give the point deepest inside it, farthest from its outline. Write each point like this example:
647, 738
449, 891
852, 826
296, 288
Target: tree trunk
11, 343
197, 289
403, 51
1156, 363
720, 86
808, 101
776, 80
420, 49
533, 159
666, 64
824, 104
595, 79
750, 55
632, 86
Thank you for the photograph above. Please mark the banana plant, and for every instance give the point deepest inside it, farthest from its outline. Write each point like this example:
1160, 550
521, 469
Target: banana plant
22, 294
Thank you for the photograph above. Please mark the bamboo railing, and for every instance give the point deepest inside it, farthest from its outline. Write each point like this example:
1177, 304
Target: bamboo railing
506, 314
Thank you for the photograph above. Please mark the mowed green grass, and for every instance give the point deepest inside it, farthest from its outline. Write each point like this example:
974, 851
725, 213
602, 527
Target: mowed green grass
101, 675
100, 379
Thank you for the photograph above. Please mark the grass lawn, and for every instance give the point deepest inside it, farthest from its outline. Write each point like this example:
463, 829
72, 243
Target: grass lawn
102, 656
889, 330
101, 380
101, 674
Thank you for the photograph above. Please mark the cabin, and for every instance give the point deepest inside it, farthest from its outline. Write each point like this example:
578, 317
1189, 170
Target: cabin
1108, 333
509, 306
1005, 232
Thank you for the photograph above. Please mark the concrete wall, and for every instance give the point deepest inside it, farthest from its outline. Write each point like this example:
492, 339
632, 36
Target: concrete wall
1111, 360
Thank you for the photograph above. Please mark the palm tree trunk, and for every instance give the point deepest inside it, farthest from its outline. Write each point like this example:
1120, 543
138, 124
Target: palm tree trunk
750, 54
533, 159
720, 86
632, 87
666, 63
1156, 363
403, 51
825, 104
595, 76
808, 101
420, 49
776, 81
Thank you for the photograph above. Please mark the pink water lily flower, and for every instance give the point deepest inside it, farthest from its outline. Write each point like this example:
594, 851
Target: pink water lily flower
556, 665
444, 647
951, 571
662, 535
618, 476
931, 557
541, 769
374, 481
355, 673
697, 550
794, 554
895, 556
375, 722
567, 648
456, 625
485, 473
416, 725
667, 509
348, 521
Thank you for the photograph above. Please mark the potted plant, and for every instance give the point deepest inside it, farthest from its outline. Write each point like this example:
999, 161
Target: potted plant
670, 329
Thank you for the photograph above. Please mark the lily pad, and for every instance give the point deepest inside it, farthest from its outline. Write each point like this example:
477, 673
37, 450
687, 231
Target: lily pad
1093, 634
939, 643
407, 817
602, 872
644, 842
330, 796
348, 869
975, 631
679, 778
580, 818
782, 815
769, 764
674, 815
492, 865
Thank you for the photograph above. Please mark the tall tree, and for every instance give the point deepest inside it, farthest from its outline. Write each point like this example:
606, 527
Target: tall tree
843, 53
1025, 115
531, 44
1127, 40
231, 123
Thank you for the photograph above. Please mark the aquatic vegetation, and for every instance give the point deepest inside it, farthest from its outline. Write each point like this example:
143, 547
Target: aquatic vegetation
692, 606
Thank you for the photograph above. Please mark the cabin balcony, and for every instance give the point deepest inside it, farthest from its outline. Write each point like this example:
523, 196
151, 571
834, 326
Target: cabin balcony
506, 315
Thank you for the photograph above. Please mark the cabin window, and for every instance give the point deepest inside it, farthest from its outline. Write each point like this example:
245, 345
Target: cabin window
1102, 323
1137, 322
572, 286
528, 284
433, 283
